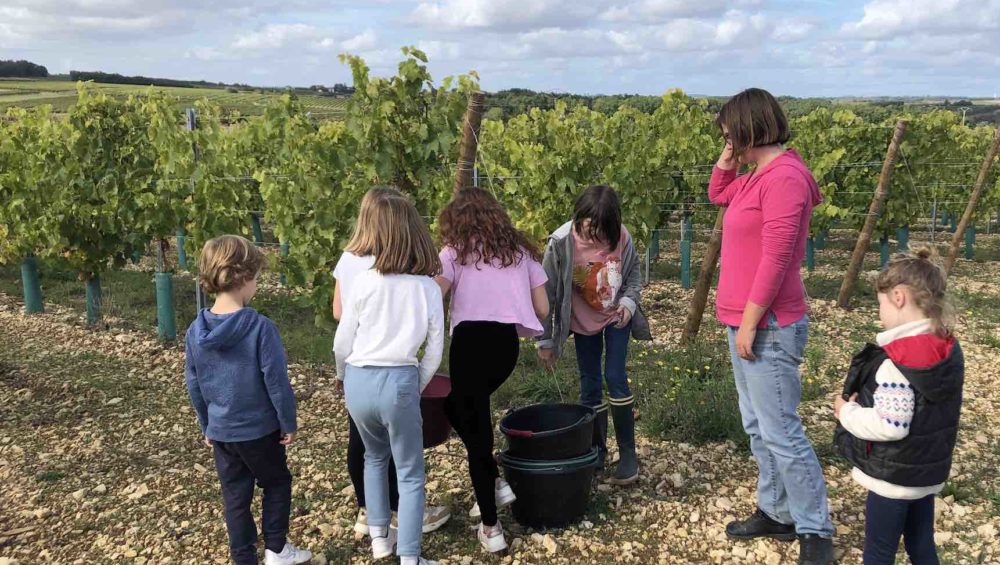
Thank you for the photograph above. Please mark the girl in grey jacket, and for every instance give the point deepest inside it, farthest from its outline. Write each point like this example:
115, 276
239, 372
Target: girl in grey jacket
594, 288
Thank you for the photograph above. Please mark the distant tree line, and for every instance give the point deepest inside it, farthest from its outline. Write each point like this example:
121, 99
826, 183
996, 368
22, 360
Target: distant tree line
115, 78
505, 104
22, 69
338, 89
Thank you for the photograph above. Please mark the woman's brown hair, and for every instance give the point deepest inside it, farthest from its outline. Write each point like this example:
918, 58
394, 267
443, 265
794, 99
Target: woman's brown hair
753, 118
479, 229
227, 263
401, 242
363, 239
921, 271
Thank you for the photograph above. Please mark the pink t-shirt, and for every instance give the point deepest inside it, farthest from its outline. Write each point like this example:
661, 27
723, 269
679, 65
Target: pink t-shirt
487, 293
597, 279
764, 238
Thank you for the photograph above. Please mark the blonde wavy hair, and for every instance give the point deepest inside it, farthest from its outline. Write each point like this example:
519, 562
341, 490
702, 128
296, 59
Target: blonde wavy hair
365, 228
922, 273
227, 263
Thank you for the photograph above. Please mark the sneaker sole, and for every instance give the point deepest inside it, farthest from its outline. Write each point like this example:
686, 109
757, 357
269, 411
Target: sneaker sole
501, 503
434, 526
487, 548
506, 501
361, 529
624, 482
779, 537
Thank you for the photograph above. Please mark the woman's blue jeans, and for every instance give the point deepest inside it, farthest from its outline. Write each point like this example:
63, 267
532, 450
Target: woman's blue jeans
790, 485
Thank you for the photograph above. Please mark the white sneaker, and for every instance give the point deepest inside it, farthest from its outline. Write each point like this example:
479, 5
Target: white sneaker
492, 541
361, 524
503, 494
434, 518
290, 555
384, 546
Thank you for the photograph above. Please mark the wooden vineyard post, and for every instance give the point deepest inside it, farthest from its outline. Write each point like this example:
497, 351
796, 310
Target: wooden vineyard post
696, 310
970, 208
470, 141
874, 211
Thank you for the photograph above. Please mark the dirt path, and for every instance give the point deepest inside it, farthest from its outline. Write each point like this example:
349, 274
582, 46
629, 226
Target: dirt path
100, 462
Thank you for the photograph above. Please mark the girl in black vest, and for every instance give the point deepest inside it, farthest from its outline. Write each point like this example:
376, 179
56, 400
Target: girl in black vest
899, 410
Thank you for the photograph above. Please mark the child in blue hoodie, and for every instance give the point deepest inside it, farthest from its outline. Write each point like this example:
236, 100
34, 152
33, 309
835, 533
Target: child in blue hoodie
237, 375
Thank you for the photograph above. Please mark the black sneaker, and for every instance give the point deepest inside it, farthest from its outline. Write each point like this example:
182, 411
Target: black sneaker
760, 525
815, 549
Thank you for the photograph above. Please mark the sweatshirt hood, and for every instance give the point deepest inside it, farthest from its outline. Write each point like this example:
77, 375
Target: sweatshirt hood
934, 366
222, 331
790, 163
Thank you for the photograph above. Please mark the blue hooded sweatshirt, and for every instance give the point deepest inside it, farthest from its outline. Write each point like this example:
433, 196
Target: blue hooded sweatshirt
237, 375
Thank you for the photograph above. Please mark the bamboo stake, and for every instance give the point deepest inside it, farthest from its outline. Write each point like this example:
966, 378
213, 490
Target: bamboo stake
696, 310
470, 140
970, 208
874, 212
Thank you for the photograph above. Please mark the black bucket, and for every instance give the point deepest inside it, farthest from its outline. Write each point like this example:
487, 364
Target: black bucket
549, 432
550, 494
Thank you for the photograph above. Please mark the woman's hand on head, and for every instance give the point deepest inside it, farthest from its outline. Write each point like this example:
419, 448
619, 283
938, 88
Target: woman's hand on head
727, 161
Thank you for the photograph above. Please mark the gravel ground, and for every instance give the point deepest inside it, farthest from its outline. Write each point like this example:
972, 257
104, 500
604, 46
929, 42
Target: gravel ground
101, 462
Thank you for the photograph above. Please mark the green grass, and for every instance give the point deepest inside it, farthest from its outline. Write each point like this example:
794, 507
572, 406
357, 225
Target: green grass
50, 476
817, 374
681, 394
61, 95
960, 490
986, 306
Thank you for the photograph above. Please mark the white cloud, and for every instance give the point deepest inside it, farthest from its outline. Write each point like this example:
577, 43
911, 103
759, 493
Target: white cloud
889, 18
275, 36
660, 10
207, 54
440, 50
504, 14
656, 11
735, 30
361, 42
793, 30
303, 36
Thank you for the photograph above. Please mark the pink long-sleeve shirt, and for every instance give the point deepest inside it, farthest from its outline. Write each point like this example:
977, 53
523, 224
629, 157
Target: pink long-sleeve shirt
764, 238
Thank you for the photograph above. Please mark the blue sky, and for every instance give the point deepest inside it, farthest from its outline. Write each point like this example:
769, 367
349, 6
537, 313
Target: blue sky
802, 48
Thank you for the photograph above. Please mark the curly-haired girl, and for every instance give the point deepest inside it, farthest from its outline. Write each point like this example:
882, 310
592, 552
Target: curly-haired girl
498, 295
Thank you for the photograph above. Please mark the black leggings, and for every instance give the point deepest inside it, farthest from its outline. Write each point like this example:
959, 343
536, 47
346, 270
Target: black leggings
482, 357
356, 468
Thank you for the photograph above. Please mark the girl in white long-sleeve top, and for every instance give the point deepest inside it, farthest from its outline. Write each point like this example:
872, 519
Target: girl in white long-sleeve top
393, 310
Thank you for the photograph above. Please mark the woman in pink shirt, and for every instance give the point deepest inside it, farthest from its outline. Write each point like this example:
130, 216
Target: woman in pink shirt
762, 300
498, 295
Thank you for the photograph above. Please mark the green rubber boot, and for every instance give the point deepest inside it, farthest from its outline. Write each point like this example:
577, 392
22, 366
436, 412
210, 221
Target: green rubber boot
628, 464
